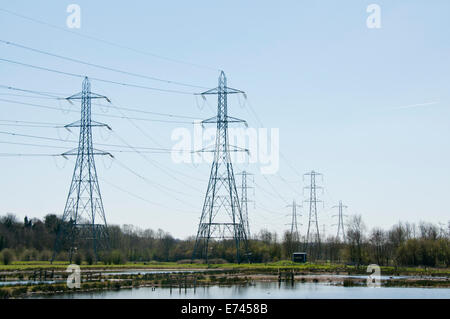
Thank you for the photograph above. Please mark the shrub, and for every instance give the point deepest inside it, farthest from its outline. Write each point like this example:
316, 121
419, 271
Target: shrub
7, 256
62, 256
78, 259
89, 257
29, 255
117, 257
105, 258
46, 255
218, 261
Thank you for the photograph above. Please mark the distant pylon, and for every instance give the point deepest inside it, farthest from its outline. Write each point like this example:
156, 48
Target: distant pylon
221, 216
244, 199
295, 234
84, 203
313, 234
340, 224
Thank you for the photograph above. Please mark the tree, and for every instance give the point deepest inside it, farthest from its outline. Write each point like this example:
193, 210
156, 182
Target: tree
355, 237
290, 244
378, 240
7, 256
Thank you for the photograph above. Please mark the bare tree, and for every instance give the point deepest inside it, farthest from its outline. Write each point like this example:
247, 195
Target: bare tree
355, 237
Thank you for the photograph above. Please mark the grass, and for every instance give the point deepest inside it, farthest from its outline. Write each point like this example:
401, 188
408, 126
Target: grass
32, 265
247, 268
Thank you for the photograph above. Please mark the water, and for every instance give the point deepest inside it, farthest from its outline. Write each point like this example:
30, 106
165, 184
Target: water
145, 272
127, 272
266, 290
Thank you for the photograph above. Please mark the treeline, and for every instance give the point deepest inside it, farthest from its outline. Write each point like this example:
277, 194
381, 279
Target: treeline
405, 244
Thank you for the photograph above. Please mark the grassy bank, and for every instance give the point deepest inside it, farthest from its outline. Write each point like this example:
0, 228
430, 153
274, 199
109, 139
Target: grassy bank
245, 268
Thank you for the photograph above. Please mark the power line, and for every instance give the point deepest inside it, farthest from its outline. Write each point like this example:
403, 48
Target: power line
260, 124
95, 79
63, 147
106, 41
72, 141
33, 145
144, 199
159, 186
30, 125
32, 122
265, 190
46, 94
159, 166
28, 155
97, 114
99, 66
148, 112
54, 96
275, 190
277, 214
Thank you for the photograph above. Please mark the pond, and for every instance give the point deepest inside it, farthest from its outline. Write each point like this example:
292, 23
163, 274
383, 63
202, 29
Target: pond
104, 273
264, 290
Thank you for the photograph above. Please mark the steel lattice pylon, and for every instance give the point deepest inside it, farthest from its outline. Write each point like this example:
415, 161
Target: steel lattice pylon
340, 224
295, 234
244, 200
313, 234
84, 216
221, 216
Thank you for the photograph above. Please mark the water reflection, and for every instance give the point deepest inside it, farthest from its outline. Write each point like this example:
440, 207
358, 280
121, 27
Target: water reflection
260, 290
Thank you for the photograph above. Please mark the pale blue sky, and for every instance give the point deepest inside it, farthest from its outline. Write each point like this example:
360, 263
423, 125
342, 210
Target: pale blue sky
336, 90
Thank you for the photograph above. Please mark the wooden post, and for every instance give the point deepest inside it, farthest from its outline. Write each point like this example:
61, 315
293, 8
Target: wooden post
195, 283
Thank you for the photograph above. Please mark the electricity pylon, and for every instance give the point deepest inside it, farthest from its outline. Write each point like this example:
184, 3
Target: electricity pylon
221, 216
294, 224
84, 213
313, 234
340, 224
244, 199
295, 234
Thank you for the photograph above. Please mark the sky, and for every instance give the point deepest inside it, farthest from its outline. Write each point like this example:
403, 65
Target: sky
367, 107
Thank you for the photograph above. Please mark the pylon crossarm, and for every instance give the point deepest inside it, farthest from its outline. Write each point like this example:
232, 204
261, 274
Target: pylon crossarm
228, 119
79, 96
226, 90
210, 120
93, 124
74, 152
229, 90
231, 148
231, 119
